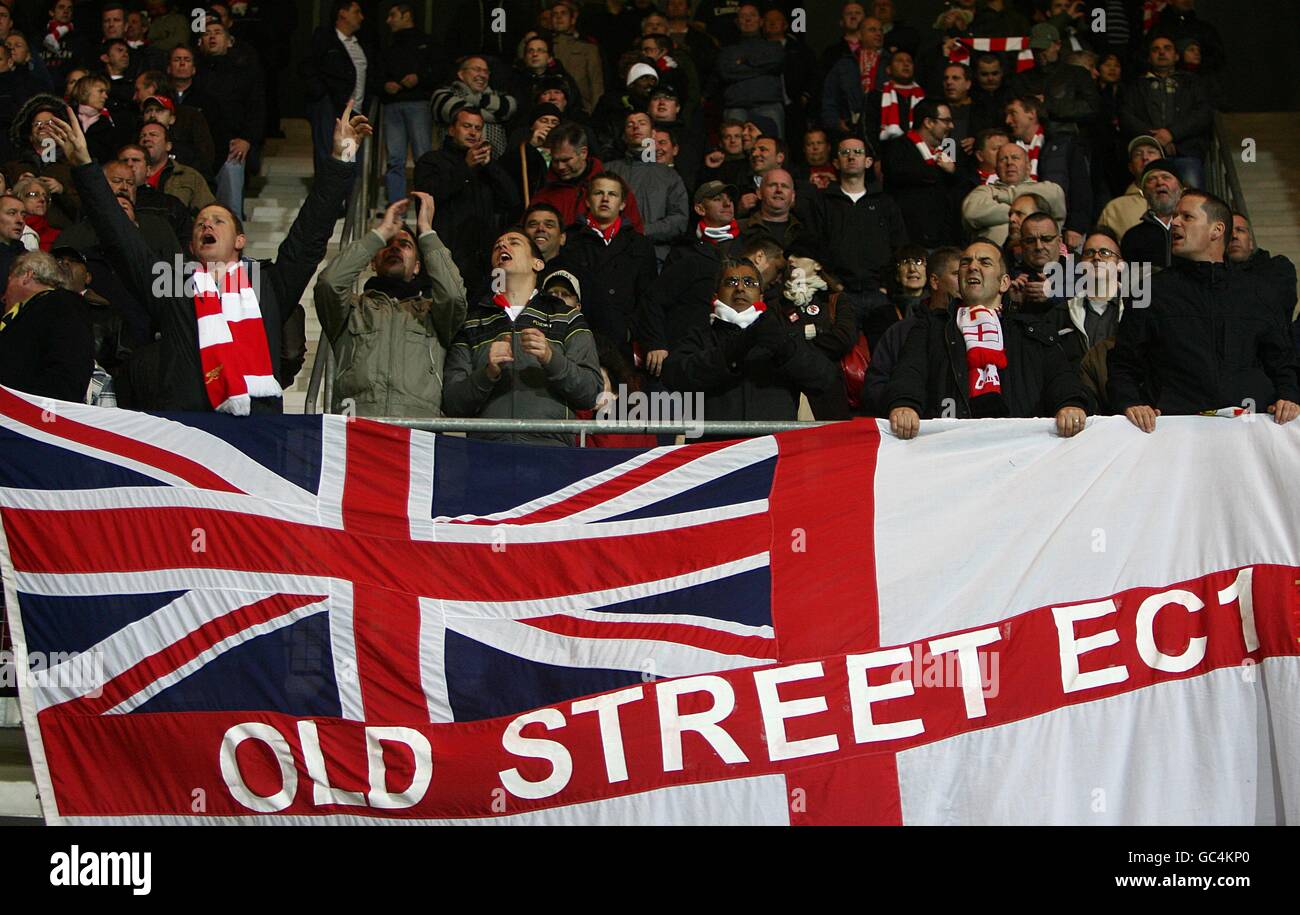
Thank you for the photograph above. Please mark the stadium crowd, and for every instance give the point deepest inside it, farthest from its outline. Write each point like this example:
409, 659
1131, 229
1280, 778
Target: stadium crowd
1000, 212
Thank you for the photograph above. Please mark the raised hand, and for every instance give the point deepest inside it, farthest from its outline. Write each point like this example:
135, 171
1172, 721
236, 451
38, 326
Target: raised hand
392, 220
424, 215
349, 130
70, 137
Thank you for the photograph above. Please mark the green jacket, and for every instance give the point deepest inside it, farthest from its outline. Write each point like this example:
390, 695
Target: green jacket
389, 353
526, 389
186, 185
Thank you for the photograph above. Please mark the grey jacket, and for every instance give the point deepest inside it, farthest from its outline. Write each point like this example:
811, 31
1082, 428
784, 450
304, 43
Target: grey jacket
661, 198
526, 389
389, 353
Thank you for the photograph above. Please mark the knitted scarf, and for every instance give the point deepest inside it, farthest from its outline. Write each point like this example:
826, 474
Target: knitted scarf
1032, 149
868, 61
606, 235
55, 32
928, 154
742, 319
890, 115
985, 350
1151, 10
1024, 60
232, 342
987, 177
717, 234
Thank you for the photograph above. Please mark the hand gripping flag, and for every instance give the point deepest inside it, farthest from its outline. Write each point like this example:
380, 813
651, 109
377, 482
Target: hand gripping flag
311, 620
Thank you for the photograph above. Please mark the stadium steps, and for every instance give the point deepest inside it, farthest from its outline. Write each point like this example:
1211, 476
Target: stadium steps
17, 785
1269, 183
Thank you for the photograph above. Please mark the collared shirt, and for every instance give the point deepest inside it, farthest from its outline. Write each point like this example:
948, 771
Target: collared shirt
358, 62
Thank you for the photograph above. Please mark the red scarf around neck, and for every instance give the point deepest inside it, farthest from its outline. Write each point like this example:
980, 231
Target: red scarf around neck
232, 342
930, 156
1032, 149
891, 124
717, 234
606, 235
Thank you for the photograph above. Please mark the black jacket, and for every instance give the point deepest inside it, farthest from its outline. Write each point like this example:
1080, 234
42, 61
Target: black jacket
931, 375
616, 278
743, 378
1148, 242
1278, 274
282, 282
858, 239
328, 70
48, 349
679, 301
410, 51
1062, 160
236, 93
468, 205
1187, 112
926, 194
1211, 338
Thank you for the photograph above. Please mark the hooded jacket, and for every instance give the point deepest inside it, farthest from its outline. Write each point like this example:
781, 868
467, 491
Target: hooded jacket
390, 352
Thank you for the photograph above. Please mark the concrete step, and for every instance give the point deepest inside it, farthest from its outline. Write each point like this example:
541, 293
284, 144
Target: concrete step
17, 783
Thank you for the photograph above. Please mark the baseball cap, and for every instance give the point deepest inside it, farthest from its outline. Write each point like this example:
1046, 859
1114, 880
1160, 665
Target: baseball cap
67, 251
1145, 140
1042, 35
640, 70
563, 276
710, 189
664, 90
160, 101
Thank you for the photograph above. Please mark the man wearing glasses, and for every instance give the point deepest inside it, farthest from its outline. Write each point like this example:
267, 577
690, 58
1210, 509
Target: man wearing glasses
974, 360
921, 176
857, 226
1040, 247
748, 365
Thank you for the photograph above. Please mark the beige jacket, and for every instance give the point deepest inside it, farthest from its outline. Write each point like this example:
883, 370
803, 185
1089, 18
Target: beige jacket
1124, 212
582, 60
984, 211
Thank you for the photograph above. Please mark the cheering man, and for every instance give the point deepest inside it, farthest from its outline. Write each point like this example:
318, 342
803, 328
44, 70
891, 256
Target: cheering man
209, 361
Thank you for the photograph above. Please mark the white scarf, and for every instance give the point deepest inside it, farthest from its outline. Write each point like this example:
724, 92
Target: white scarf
803, 285
742, 319
1032, 149
981, 329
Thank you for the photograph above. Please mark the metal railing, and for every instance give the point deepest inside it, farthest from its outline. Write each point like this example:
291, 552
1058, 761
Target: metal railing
584, 427
320, 386
1221, 177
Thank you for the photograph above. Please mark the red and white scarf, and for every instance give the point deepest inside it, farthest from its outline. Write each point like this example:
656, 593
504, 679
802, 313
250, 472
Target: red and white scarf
232, 342
868, 63
606, 235
985, 350
988, 177
742, 319
1024, 60
55, 32
891, 124
930, 156
717, 234
665, 63
1032, 149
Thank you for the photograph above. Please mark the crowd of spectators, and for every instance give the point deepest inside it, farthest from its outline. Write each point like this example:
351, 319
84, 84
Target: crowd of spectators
1001, 212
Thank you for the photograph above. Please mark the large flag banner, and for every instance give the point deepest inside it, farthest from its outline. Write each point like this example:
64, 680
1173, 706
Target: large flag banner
315, 620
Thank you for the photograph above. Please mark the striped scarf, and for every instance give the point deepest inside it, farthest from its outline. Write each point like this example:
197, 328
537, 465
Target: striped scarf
232, 342
1024, 60
928, 154
985, 350
717, 234
1151, 10
890, 114
868, 62
1032, 149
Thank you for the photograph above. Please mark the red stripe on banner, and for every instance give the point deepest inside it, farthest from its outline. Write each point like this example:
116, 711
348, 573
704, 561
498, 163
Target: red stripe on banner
387, 626
824, 597
621, 484
499, 570
186, 649
823, 541
680, 633
378, 480
50, 422
792, 719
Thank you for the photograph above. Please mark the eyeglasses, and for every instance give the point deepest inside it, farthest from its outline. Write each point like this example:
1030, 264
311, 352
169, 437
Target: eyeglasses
40, 194
735, 281
853, 153
912, 262
1038, 239
1100, 252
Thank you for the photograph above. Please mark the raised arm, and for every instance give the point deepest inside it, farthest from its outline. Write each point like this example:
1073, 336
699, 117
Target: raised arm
449, 307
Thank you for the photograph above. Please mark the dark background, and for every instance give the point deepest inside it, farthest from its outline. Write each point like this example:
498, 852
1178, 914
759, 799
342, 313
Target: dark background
1261, 36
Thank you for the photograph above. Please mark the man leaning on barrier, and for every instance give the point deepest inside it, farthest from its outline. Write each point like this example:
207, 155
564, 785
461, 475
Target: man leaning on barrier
210, 362
390, 341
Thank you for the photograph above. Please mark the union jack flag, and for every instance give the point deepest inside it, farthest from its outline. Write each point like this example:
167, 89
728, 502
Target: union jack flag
317, 566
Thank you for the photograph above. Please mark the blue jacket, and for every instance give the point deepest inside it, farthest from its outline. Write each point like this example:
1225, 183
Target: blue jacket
750, 71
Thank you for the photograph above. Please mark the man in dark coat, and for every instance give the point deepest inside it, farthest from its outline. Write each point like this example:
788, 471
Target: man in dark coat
922, 179
47, 347
858, 226
406, 69
237, 90
1173, 106
942, 371
1211, 337
471, 194
331, 72
217, 243
616, 262
746, 363
1277, 271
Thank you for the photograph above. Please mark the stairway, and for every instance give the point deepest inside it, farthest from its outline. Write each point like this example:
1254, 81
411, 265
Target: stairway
287, 169
1270, 183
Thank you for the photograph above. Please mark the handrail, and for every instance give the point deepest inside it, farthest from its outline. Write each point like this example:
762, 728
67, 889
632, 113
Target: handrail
602, 426
1221, 169
320, 387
